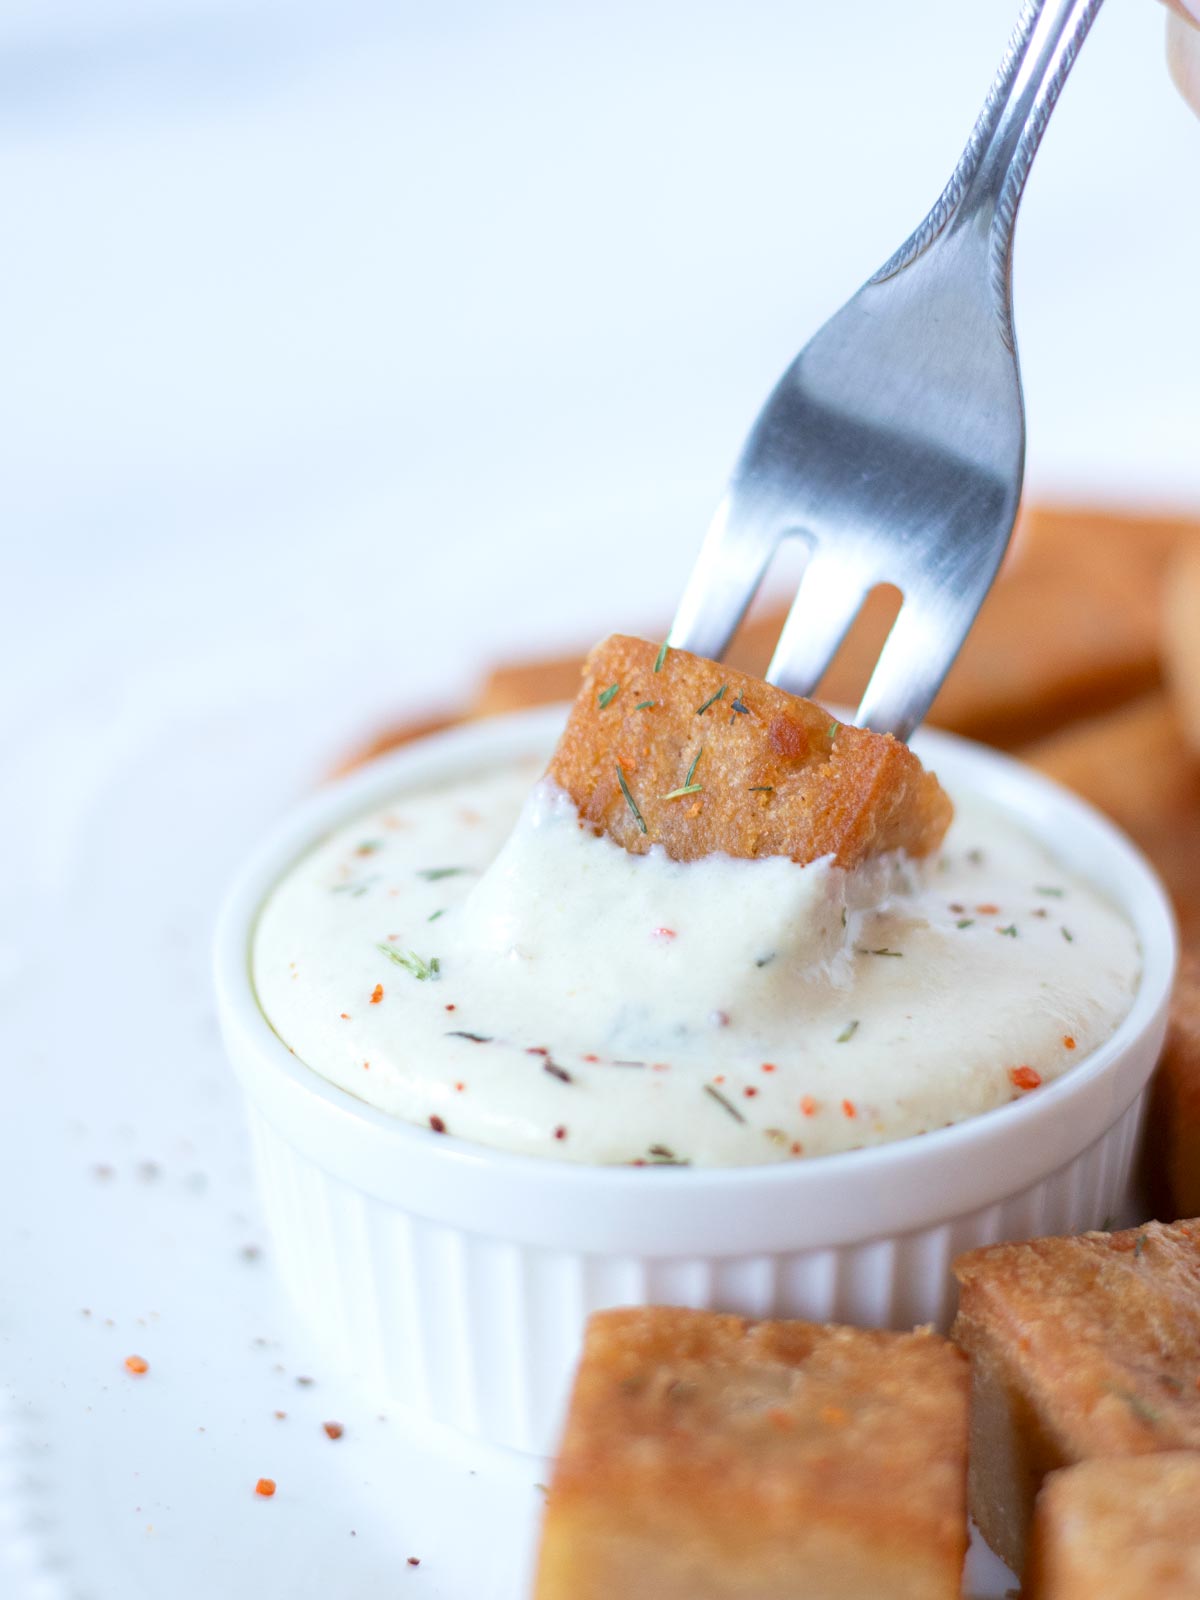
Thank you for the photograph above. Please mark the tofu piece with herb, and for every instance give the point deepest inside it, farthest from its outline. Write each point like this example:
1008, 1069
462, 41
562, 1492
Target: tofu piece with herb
1123, 1528
667, 748
706, 1456
1080, 1348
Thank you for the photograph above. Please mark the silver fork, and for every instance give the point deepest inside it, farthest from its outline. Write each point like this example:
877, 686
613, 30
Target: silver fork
894, 445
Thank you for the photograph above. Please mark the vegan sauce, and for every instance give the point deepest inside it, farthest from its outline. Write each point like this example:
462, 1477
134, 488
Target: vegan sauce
473, 959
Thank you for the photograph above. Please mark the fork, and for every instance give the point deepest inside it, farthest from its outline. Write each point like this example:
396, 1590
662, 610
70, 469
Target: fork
894, 444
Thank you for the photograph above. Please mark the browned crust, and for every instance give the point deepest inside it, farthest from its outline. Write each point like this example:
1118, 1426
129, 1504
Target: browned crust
779, 776
1124, 1529
711, 1444
1173, 1131
1079, 1347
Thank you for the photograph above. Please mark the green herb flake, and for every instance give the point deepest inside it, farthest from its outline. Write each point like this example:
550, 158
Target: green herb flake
726, 1105
1050, 889
691, 771
1139, 1244
863, 951
436, 874
411, 962
965, 922
646, 705
1067, 935
688, 788
436, 915
712, 700
833, 730
847, 1032
1144, 1413
607, 696
762, 788
1010, 932
630, 801
660, 657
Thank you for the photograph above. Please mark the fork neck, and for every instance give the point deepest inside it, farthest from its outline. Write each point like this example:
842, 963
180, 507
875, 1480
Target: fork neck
991, 177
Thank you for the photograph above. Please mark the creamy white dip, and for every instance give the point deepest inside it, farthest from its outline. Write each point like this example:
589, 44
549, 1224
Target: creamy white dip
473, 959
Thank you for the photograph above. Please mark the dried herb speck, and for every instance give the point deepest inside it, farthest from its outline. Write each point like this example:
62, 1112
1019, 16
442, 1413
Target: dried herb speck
712, 700
607, 696
660, 657
848, 1032
715, 1094
630, 801
436, 874
412, 962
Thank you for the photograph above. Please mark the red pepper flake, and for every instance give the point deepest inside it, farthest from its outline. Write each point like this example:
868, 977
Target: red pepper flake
660, 1066
560, 1132
437, 1124
664, 933
461, 1087
414, 1561
536, 1050
137, 1365
333, 1430
988, 911
750, 1091
265, 1487
720, 1078
280, 1416
451, 1008
591, 1058
376, 994
797, 1148
808, 1105
1024, 1078
768, 1066
849, 1109
1068, 1042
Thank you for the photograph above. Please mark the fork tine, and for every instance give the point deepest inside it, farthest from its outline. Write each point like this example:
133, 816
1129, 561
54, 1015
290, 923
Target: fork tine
830, 596
728, 570
918, 653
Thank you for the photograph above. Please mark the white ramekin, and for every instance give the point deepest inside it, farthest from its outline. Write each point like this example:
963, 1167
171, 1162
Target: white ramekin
454, 1280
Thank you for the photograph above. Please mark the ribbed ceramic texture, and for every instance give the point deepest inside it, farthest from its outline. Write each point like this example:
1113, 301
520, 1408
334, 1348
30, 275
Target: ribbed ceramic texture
481, 1334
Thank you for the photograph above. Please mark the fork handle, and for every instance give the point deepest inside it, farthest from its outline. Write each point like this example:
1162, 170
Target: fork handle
987, 184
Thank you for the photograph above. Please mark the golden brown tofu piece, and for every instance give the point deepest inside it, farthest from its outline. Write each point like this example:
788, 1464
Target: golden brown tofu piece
710, 1458
1173, 1131
1135, 764
1079, 1348
674, 750
1119, 1529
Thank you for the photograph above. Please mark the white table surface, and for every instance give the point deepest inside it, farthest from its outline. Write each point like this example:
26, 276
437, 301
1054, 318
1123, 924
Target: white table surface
347, 346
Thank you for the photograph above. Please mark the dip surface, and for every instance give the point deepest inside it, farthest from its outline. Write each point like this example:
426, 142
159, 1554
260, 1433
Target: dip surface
549, 993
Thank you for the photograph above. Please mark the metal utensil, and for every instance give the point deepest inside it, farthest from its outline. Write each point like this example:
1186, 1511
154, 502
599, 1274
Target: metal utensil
894, 445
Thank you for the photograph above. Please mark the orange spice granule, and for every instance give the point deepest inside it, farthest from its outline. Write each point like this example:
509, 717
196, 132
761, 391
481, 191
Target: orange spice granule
376, 994
808, 1105
1024, 1078
265, 1487
366, 1066
797, 1148
460, 1087
849, 1109
345, 1016
768, 1066
988, 911
137, 1365
1068, 1042
720, 1078
333, 1430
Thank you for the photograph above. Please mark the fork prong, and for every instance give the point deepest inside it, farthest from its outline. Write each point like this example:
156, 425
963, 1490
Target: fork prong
830, 596
919, 651
728, 570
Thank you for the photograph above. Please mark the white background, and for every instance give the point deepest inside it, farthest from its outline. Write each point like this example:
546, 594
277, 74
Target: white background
344, 347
